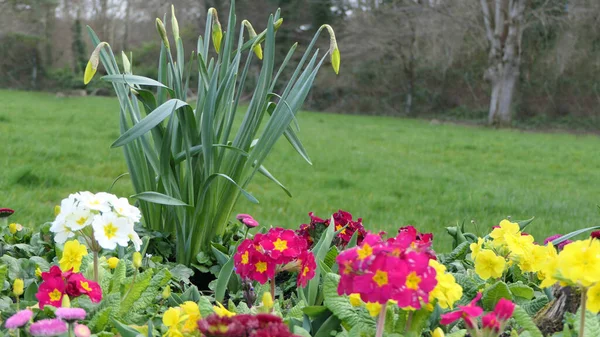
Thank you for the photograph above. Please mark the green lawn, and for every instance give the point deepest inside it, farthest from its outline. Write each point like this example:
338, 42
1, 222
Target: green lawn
391, 172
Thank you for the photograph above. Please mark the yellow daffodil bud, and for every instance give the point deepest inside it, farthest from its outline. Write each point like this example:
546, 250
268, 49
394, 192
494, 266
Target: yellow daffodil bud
333, 49
90, 71
66, 301
437, 333
355, 300
38, 272
174, 24
56, 210
18, 287
373, 308
252, 34
160, 28
137, 259
267, 300
278, 23
113, 262
166, 293
126, 63
217, 31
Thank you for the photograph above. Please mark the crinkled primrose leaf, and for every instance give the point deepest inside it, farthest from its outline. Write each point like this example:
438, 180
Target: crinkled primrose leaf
92, 65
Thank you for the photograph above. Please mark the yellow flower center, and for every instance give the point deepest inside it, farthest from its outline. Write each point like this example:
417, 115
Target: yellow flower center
364, 252
412, 281
245, 257
305, 271
85, 285
280, 245
81, 221
381, 278
110, 231
347, 268
337, 227
55, 295
261, 267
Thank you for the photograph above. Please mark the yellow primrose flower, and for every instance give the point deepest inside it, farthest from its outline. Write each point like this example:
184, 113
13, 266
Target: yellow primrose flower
193, 315
507, 228
593, 299
535, 259
446, 291
519, 244
355, 300
221, 311
14, 228
475, 248
267, 300
72, 256
171, 319
488, 264
579, 262
374, 308
113, 262
546, 273
38, 272
18, 287
437, 333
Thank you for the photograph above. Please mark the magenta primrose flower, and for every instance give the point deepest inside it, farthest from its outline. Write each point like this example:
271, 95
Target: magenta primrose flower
396, 269
19, 319
468, 312
48, 327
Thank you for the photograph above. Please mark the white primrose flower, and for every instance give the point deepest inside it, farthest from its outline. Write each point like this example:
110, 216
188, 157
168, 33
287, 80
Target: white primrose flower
110, 230
124, 209
135, 239
61, 231
98, 202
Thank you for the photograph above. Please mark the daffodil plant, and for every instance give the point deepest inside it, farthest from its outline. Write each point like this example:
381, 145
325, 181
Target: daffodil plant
189, 162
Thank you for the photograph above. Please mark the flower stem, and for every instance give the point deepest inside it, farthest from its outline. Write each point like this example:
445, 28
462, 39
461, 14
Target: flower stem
273, 288
95, 266
408, 321
583, 311
381, 321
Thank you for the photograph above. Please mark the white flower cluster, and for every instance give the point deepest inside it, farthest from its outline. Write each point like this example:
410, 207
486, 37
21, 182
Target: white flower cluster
112, 219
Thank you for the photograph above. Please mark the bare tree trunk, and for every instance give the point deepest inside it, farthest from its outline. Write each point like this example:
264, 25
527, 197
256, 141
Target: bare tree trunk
126, 32
504, 39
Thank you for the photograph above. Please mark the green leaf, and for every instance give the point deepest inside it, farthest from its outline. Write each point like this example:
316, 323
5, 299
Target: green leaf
223, 279
341, 307
494, 293
314, 310
521, 290
591, 325
152, 120
524, 223
135, 290
132, 80
300, 331
124, 330
458, 253
459, 333
118, 277
297, 311
573, 234
159, 198
328, 327
532, 307
526, 322
206, 308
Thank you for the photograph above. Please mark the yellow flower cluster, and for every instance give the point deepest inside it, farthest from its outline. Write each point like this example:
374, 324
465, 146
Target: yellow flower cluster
73, 254
509, 246
182, 319
578, 264
447, 291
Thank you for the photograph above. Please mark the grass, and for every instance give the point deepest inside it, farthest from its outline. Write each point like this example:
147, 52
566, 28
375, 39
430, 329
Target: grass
391, 172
